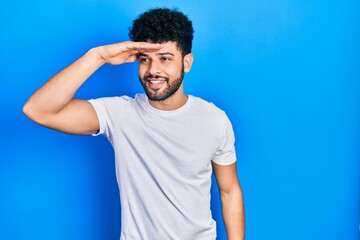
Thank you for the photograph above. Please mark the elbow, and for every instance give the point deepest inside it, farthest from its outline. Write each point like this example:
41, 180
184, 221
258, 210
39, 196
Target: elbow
233, 193
29, 111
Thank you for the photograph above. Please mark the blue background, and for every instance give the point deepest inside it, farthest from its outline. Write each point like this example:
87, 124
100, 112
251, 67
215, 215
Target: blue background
286, 72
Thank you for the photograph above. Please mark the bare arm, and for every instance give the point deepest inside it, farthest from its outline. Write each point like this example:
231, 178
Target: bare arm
231, 200
53, 105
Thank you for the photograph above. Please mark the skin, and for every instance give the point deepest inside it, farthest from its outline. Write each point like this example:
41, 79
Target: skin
231, 197
164, 65
160, 66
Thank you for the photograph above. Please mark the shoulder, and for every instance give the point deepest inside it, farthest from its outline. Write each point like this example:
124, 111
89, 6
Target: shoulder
111, 105
206, 107
209, 114
111, 102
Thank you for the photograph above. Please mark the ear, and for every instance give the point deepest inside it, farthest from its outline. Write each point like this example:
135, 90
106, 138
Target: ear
188, 60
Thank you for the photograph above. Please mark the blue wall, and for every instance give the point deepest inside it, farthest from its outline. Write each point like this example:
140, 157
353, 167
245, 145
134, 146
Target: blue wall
286, 72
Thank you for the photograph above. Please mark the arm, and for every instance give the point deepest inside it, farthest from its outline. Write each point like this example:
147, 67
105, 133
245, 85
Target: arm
53, 105
231, 200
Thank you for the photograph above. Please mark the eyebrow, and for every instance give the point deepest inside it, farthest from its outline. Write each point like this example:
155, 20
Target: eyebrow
166, 53
161, 54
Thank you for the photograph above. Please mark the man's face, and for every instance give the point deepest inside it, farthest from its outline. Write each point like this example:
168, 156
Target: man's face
161, 72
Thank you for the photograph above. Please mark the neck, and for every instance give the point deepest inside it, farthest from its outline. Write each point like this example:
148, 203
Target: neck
177, 100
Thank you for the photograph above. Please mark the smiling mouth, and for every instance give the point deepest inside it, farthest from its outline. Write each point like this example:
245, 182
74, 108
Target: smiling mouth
155, 82
155, 79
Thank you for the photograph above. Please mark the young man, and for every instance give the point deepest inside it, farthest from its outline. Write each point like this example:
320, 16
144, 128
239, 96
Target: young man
166, 143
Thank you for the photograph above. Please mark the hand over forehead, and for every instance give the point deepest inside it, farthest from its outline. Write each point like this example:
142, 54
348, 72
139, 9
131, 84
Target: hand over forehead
145, 46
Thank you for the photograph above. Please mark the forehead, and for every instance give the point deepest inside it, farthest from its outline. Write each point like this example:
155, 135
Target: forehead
168, 47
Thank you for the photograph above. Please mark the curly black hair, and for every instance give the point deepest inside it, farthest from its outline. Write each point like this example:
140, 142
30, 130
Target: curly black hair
161, 25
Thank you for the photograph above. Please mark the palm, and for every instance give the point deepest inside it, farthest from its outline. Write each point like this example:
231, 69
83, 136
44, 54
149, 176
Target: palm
126, 52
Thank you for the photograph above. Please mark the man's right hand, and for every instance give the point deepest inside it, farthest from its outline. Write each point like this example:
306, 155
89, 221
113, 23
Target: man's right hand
53, 105
125, 52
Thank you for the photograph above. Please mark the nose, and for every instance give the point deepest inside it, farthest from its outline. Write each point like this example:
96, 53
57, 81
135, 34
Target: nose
154, 68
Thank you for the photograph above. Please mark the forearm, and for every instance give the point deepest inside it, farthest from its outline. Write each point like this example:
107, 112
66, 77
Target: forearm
233, 214
55, 94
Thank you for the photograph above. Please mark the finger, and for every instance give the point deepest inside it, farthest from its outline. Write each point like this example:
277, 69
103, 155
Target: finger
131, 58
141, 46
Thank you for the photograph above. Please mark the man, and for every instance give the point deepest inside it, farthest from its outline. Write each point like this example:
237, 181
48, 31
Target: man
166, 143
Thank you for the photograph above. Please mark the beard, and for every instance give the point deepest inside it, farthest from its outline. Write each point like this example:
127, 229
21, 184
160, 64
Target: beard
171, 86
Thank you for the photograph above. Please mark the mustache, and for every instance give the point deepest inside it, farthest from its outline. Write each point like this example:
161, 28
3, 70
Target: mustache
154, 76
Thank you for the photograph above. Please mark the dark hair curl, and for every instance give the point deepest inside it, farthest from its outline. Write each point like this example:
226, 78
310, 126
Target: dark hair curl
162, 25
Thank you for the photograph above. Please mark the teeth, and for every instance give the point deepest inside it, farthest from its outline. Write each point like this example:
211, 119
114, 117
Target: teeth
156, 81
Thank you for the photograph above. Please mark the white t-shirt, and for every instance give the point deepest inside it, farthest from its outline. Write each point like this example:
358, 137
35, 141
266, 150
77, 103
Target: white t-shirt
163, 164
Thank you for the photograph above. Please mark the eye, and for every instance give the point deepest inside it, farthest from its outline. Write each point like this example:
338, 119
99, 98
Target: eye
164, 59
144, 60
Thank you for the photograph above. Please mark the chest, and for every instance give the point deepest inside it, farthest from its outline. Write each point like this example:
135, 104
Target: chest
187, 143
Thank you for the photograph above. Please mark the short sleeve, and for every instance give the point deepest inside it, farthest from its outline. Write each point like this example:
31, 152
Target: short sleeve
109, 111
225, 154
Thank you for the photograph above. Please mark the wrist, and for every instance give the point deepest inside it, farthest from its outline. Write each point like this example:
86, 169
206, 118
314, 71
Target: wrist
96, 53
